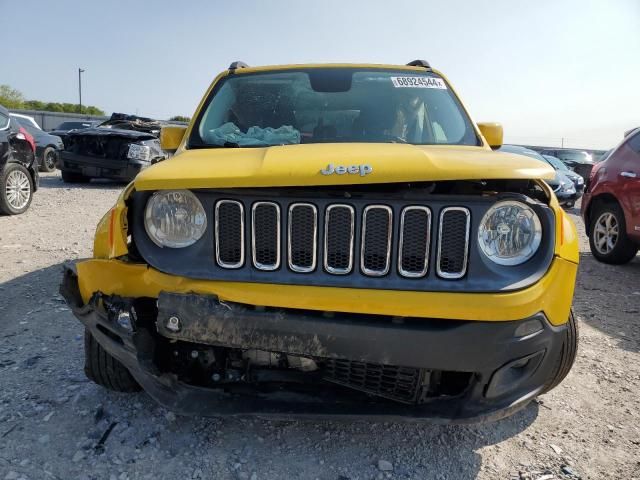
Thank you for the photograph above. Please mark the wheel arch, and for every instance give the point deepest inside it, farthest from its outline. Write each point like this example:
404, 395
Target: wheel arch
603, 198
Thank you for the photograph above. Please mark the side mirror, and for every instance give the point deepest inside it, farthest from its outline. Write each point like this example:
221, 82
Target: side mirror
171, 136
492, 132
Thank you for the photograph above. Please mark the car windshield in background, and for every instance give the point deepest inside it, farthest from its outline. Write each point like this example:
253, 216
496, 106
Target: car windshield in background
522, 151
556, 163
575, 156
27, 125
73, 125
332, 105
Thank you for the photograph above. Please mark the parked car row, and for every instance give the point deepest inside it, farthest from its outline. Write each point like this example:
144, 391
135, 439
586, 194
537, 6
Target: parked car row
123, 145
579, 161
565, 185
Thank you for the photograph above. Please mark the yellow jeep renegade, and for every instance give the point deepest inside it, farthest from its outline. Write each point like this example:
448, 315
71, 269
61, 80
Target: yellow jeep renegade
332, 240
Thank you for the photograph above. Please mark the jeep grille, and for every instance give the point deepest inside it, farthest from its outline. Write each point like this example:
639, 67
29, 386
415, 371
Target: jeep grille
338, 240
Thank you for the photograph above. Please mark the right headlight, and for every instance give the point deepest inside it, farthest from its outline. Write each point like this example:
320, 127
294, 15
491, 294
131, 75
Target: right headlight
175, 218
509, 233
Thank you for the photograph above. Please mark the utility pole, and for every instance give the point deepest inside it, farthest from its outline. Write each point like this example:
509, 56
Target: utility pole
80, 86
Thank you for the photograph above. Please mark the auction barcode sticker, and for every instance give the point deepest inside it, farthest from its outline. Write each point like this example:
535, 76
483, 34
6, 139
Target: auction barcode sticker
418, 82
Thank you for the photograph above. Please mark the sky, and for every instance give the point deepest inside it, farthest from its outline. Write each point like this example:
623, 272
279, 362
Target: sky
552, 72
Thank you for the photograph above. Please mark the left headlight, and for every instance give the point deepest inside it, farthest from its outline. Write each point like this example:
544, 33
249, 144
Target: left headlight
139, 152
509, 233
175, 218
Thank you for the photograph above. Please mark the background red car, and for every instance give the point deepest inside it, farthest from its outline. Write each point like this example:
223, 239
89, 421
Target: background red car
611, 204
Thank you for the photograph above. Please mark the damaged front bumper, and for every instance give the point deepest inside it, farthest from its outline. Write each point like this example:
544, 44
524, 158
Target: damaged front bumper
356, 365
95, 167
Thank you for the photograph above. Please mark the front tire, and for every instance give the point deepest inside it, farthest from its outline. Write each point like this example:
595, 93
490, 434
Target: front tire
567, 354
101, 368
49, 158
608, 238
16, 189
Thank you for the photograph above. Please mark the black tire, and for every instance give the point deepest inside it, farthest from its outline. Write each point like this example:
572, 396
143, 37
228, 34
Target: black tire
72, 177
6, 205
567, 354
623, 249
49, 159
103, 369
569, 204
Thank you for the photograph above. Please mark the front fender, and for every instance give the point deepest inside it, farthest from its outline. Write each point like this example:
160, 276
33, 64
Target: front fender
110, 240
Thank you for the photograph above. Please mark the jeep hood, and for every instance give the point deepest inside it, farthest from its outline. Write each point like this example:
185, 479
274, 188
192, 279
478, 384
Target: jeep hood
300, 165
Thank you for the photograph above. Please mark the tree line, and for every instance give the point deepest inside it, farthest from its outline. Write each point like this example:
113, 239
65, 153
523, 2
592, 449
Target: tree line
12, 98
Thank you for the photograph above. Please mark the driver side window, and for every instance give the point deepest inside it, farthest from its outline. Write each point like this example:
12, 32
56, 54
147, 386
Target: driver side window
634, 142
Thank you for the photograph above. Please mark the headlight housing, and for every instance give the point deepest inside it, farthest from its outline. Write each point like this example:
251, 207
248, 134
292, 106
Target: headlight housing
175, 218
509, 233
139, 152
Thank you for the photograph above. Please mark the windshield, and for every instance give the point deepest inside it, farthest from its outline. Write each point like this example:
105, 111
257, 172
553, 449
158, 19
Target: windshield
556, 163
574, 156
73, 125
522, 151
332, 105
28, 126
27, 123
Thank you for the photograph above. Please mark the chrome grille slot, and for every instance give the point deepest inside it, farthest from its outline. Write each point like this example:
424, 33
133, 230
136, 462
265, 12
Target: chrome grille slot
229, 233
375, 251
339, 224
453, 242
302, 242
265, 235
415, 238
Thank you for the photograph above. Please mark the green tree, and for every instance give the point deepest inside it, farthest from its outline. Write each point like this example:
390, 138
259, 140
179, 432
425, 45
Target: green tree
10, 97
33, 105
180, 118
52, 107
91, 110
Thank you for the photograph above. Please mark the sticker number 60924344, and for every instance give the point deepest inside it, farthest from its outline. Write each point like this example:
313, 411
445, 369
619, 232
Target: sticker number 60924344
418, 82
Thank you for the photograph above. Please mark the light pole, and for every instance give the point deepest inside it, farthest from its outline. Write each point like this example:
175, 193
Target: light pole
80, 86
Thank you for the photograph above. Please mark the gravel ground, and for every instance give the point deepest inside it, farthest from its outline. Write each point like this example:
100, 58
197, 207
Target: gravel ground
54, 423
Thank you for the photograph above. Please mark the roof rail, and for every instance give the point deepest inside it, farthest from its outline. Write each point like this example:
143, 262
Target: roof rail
419, 63
235, 65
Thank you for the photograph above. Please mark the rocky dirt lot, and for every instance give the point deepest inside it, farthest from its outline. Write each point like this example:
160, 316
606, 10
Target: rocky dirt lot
54, 424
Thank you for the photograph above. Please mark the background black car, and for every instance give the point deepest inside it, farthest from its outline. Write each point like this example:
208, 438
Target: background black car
579, 161
18, 167
48, 146
562, 186
117, 149
65, 127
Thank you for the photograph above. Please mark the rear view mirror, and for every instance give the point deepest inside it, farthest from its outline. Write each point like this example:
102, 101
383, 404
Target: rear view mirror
492, 132
171, 136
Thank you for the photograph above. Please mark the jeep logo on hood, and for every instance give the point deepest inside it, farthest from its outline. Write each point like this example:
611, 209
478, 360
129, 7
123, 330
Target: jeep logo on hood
352, 169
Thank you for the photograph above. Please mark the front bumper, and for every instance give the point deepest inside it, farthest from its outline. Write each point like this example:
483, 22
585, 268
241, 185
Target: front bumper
93, 167
508, 366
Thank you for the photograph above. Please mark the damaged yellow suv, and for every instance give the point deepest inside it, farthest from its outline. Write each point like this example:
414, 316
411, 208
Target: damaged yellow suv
332, 240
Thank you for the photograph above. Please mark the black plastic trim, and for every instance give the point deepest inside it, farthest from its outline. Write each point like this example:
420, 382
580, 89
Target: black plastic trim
198, 260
